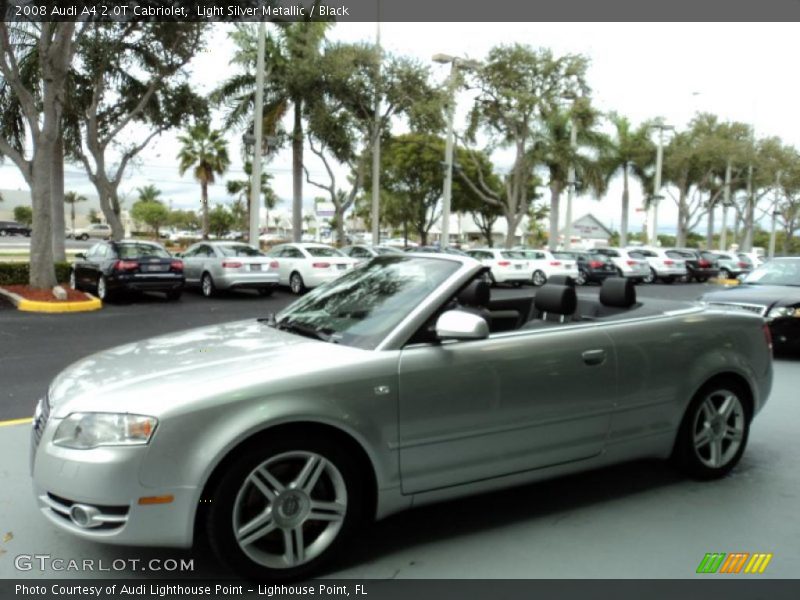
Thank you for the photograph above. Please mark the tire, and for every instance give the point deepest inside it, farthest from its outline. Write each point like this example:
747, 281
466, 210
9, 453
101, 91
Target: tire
84, 237
265, 292
724, 274
174, 295
581, 278
102, 289
73, 281
714, 430
701, 279
207, 285
268, 495
296, 283
539, 278
3, 233
651, 277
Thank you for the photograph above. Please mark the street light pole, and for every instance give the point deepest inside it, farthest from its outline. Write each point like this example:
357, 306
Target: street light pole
258, 123
775, 214
571, 182
376, 143
447, 191
652, 236
726, 202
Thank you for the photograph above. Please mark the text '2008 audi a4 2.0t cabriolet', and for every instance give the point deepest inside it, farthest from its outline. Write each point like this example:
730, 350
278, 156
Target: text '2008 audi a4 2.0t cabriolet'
402, 382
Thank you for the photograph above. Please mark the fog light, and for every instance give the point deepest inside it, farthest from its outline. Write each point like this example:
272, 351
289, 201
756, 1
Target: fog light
84, 516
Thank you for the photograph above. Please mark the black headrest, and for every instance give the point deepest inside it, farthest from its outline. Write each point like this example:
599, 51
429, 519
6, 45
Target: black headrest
477, 293
619, 292
561, 280
559, 299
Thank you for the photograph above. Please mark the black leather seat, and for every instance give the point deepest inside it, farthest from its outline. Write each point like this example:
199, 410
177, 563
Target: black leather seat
617, 295
475, 298
561, 280
553, 304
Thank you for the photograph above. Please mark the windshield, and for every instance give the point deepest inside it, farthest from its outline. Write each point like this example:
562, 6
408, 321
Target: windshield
565, 255
361, 307
776, 272
512, 254
322, 251
141, 250
383, 251
239, 250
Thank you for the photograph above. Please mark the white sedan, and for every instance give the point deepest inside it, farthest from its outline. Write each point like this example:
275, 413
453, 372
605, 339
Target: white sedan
304, 265
543, 265
634, 267
507, 266
662, 266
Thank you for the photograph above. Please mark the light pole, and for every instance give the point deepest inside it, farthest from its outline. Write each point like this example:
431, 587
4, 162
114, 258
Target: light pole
775, 214
652, 221
456, 64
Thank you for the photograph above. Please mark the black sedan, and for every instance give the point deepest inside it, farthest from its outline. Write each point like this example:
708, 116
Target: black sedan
110, 268
773, 291
592, 267
14, 228
701, 265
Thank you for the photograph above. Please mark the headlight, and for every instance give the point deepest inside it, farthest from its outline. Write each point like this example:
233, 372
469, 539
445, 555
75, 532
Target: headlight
89, 430
783, 311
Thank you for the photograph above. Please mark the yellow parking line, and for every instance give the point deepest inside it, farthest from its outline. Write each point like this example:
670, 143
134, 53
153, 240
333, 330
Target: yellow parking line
24, 421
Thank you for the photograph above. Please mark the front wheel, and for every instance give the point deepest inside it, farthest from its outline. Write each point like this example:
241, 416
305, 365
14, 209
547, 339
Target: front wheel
207, 285
724, 274
102, 289
581, 278
701, 279
285, 507
84, 237
651, 277
714, 431
539, 278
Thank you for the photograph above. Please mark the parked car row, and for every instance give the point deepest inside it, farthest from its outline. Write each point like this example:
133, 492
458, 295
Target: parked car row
111, 268
14, 228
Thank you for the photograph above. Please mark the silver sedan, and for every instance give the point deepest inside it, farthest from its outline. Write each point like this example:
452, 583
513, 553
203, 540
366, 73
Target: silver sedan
399, 383
215, 266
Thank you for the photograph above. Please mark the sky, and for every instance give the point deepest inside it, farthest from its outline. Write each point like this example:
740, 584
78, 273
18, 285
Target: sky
641, 70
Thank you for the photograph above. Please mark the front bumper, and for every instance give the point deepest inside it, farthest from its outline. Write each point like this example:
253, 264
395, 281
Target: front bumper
108, 479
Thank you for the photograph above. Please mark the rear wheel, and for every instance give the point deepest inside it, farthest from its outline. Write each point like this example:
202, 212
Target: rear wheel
714, 431
284, 508
296, 283
581, 278
701, 279
724, 274
539, 278
102, 289
84, 237
207, 285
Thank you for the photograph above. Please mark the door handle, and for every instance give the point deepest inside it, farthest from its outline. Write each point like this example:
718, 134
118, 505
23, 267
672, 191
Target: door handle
594, 357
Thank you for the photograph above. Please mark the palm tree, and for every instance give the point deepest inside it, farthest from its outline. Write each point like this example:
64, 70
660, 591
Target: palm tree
242, 189
293, 77
72, 198
203, 150
555, 152
148, 193
629, 151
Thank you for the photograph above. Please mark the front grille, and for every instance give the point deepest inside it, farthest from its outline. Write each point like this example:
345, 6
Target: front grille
40, 420
757, 309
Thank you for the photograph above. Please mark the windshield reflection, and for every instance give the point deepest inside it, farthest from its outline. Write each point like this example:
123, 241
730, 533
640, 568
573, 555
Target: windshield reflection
363, 306
780, 271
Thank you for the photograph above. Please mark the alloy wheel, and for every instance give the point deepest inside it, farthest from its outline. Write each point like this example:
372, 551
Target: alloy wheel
289, 509
651, 277
207, 285
718, 428
296, 283
581, 278
102, 291
539, 278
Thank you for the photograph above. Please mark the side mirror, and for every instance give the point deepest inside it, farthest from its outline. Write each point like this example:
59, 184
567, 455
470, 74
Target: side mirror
80, 255
461, 325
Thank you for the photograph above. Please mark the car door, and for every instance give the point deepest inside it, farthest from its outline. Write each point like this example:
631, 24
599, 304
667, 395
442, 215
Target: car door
291, 260
474, 410
82, 267
189, 259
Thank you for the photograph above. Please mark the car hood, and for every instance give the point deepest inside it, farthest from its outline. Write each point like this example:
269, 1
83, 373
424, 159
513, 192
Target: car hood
765, 295
152, 375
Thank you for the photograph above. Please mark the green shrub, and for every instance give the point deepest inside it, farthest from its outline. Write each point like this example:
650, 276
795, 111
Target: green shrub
19, 273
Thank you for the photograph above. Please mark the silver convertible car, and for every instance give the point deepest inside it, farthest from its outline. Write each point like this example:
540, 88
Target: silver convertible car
400, 383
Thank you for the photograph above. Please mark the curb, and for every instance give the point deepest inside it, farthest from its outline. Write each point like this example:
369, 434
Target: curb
52, 307
724, 281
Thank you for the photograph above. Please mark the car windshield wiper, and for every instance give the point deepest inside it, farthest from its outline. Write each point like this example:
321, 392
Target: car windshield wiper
304, 330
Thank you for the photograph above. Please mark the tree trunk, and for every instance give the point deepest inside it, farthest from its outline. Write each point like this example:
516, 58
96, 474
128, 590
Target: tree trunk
109, 204
555, 200
623, 225
204, 206
57, 195
42, 273
512, 222
297, 172
680, 240
339, 216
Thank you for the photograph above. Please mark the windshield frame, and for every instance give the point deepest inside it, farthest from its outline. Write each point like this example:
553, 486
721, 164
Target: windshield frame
393, 335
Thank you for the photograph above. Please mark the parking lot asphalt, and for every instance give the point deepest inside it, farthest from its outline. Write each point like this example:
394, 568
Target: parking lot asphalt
639, 520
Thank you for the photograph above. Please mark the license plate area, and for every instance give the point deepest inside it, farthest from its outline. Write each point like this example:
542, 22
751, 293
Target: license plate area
155, 268
341, 267
255, 268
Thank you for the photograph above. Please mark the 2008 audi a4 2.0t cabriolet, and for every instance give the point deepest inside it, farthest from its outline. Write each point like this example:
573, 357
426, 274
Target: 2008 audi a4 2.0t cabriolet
402, 382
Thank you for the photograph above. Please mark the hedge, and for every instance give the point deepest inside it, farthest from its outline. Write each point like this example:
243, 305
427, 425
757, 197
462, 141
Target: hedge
19, 273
